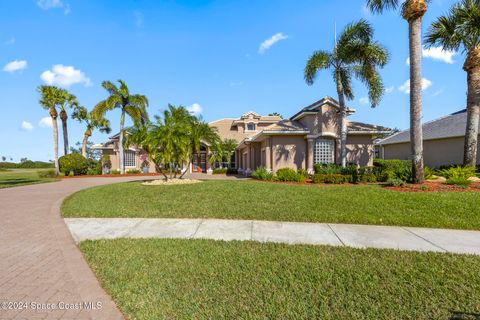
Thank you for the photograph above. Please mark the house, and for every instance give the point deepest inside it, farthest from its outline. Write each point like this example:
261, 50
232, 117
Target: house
443, 142
310, 136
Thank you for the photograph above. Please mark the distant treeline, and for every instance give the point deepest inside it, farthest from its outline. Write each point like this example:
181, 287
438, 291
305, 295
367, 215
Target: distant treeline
27, 164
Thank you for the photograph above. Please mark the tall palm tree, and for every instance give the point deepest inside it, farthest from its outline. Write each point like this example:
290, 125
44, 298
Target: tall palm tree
133, 105
413, 12
82, 115
229, 146
49, 100
66, 99
460, 28
357, 55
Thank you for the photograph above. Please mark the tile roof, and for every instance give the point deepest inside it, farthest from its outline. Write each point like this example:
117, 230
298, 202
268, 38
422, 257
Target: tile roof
285, 125
449, 126
365, 127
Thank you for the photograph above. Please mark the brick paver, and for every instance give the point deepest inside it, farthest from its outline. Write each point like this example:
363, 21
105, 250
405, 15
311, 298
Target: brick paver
39, 261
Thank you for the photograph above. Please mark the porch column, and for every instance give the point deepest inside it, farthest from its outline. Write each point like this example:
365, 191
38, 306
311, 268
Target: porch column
310, 147
268, 158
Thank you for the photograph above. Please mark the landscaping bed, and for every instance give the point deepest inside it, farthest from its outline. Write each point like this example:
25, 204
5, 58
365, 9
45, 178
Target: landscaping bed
253, 200
204, 279
435, 186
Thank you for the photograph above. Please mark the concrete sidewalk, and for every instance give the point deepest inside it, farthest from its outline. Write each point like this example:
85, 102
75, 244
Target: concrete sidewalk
359, 236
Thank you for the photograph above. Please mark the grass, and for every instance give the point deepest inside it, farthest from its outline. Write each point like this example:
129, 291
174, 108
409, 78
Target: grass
204, 279
19, 177
362, 204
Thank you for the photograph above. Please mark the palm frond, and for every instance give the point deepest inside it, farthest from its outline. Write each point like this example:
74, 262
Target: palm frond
110, 87
379, 6
318, 61
369, 75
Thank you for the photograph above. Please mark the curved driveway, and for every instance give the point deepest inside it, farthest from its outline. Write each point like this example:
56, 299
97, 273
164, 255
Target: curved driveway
42, 273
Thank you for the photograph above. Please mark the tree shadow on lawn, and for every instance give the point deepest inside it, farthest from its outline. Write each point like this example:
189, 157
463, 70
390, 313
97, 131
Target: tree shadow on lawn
459, 315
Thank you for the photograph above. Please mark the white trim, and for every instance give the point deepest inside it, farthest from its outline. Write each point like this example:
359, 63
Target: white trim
323, 134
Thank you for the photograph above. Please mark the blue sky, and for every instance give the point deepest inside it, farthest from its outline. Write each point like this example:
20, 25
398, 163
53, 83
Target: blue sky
198, 53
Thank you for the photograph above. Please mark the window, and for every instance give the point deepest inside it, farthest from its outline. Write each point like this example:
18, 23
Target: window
251, 126
324, 151
129, 158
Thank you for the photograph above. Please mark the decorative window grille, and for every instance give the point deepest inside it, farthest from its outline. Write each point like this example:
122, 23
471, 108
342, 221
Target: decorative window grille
129, 158
324, 151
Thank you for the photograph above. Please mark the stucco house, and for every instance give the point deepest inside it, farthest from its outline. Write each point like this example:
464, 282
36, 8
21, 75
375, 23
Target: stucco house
443, 142
310, 136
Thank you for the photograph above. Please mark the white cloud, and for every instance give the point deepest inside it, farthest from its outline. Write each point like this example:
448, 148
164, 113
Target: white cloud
139, 18
195, 108
54, 4
26, 126
271, 41
436, 53
389, 89
10, 42
45, 122
405, 88
364, 100
438, 92
15, 65
64, 76
236, 84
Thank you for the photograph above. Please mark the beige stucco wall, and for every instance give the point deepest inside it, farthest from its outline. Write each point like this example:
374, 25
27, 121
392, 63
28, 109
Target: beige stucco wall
329, 120
435, 152
360, 150
288, 152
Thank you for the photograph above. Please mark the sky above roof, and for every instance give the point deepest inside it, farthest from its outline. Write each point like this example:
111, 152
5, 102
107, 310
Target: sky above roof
219, 58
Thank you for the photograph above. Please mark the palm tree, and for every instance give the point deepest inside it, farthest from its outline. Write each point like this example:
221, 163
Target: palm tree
357, 55
133, 105
412, 11
460, 28
229, 146
82, 115
49, 100
66, 99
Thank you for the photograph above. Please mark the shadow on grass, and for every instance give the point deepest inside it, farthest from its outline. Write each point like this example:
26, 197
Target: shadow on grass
458, 315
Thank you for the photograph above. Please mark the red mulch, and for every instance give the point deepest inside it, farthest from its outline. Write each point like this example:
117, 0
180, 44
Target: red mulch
433, 186
113, 175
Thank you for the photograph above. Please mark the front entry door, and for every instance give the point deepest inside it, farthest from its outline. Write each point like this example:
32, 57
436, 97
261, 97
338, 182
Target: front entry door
199, 163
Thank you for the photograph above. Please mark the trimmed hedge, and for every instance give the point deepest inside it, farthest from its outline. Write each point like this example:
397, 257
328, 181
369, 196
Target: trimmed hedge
333, 178
220, 171
28, 164
73, 164
288, 175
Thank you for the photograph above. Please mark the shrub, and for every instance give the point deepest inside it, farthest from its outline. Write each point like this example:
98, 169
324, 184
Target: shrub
428, 173
220, 171
105, 161
93, 172
396, 182
47, 173
334, 178
287, 174
261, 173
303, 172
134, 171
115, 172
459, 182
327, 168
73, 163
367, 178
232, 171
457, 172
392, 169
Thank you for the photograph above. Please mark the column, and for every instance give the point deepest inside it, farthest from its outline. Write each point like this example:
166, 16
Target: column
310, 151
268, 155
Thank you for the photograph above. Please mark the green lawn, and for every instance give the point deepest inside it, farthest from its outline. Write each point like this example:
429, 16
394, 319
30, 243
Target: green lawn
204, 279
19, 177
362, 204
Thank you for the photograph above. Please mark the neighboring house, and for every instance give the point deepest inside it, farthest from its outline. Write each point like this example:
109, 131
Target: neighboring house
308, 137
443, 142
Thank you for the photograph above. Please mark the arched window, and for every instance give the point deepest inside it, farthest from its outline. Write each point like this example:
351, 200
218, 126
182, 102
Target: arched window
251, 126
324, 151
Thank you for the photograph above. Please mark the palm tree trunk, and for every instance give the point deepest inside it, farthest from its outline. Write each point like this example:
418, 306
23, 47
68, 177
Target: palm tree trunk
416, 135
120, 144
53, 114
473, 108
64, 117
188, 166
343, 121
86, 135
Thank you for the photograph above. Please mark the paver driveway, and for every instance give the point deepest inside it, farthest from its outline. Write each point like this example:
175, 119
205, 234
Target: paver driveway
39, 261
